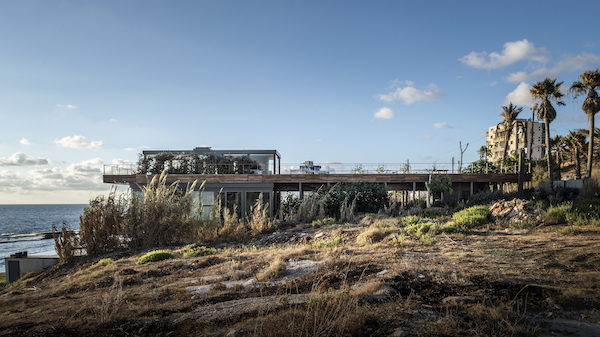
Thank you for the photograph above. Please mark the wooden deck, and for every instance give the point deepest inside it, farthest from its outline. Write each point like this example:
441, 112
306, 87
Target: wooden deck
291, 181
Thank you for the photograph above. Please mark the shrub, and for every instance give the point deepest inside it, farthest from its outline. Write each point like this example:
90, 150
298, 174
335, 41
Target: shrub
370, 236
100, 224
195, 250
276, 270
154, 256
557, 214
571, 230
489, 197
397, 238
323, 222
328, 243
428, 240
473, 216
64, 242
410, 220
105, 261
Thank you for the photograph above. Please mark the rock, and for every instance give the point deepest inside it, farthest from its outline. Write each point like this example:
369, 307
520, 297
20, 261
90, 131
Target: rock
382, 272
399, 333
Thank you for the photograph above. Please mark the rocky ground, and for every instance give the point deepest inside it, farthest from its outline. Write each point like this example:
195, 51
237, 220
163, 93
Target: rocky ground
499, 280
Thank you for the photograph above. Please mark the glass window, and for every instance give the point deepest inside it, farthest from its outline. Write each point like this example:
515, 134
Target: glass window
252, 199
234, 203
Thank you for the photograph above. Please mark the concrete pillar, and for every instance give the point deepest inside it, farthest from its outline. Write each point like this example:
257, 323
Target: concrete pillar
301, 191
471, 188
414, 192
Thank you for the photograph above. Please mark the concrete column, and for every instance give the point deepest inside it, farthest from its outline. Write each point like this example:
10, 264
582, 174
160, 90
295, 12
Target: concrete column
471, 189
414, 192
301, 191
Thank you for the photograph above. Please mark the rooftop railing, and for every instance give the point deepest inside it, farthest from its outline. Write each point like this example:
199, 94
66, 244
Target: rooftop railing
329, 168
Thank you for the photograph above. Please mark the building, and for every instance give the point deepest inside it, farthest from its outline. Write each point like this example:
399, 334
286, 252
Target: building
519, 139
237, 179
236, 195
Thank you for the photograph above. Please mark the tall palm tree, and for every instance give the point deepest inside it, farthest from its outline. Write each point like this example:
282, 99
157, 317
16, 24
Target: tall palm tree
543, 92
509, 113
588, 83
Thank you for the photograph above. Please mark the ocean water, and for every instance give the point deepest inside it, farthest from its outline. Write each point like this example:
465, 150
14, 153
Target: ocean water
21, 227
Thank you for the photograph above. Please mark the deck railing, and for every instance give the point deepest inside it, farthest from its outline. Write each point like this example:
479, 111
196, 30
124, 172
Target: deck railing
332, 168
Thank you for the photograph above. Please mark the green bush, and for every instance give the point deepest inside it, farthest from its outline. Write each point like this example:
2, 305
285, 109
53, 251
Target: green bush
410, 220
195, 250
557, 214
397, 239
328, 243
473, 216
571, 230
154, 256
106, 261
323, 222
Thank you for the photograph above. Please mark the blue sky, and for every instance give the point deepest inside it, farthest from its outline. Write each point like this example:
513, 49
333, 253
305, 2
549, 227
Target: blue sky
85, 84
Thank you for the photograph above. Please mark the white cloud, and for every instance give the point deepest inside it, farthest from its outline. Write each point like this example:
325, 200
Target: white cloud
147, 147
567, 64
113, 120
68, 106
384, 113
25, 141
493, 84
426, 137
130, 149
121, 162
21, 159
511, 53
409, 94
78, 142
335, 162
318, 140
95, 161
519, 96
442, 125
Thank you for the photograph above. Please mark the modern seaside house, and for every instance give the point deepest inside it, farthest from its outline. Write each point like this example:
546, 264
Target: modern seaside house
238, 178
520, 138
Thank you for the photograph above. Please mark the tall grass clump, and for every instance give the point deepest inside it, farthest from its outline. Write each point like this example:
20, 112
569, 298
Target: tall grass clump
164, 215
258, 219
101, 224
65, 242
472, 216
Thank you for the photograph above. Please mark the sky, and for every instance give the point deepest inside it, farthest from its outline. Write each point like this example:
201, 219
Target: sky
89, 84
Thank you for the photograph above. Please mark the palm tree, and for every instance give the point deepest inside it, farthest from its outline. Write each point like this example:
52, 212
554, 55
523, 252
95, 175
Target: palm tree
509, 113
588, 83
558, 147
576, 144
543, 92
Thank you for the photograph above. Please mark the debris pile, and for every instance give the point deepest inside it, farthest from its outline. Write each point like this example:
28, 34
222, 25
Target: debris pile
516, 210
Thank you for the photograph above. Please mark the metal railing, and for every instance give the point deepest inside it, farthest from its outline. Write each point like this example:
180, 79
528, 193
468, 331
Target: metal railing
337, 168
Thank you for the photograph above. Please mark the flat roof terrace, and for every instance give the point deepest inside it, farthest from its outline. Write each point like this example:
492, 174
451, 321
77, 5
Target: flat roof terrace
291, 182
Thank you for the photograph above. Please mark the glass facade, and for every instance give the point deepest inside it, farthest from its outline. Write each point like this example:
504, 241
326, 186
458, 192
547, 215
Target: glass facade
252, 199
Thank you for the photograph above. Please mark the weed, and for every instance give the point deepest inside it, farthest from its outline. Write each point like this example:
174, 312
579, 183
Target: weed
275, 270
370, 236
105, 261
195, 250
397, 239
328, 243
410, 220
571, 230
154, 256
428, 239
557, 214
322, 222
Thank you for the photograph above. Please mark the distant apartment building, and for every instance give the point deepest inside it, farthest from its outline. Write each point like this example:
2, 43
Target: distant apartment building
519, 139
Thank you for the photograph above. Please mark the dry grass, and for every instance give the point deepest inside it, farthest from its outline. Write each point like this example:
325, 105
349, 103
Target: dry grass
495, 268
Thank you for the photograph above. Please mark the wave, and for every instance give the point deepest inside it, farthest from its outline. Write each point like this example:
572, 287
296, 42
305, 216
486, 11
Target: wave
11, 237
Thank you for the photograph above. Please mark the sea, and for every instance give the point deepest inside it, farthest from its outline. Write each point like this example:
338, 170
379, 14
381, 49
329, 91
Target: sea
21, 227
